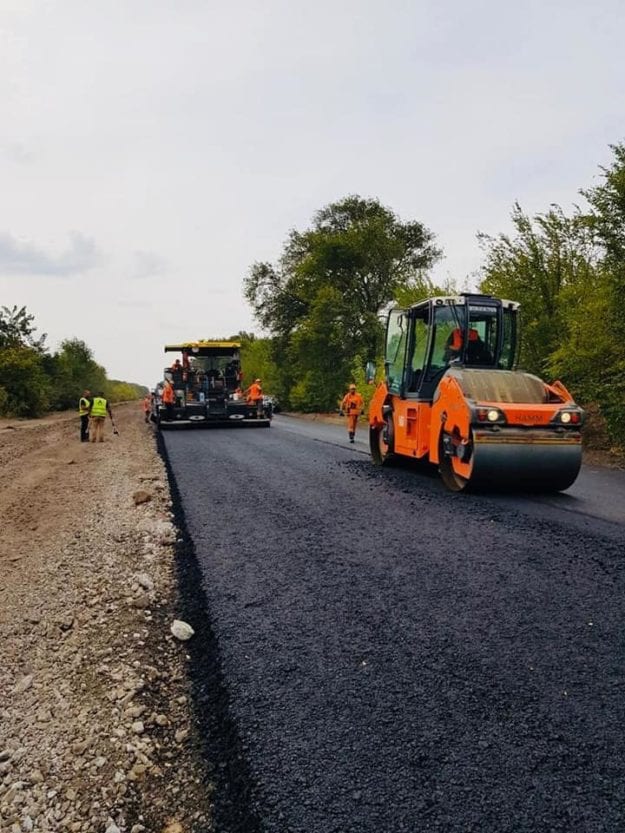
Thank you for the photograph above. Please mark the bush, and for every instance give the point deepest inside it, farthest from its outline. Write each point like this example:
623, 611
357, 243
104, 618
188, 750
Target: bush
25, 385
123, 391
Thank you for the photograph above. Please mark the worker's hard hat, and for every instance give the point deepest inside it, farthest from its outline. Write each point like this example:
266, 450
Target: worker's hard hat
352, 387
256, 380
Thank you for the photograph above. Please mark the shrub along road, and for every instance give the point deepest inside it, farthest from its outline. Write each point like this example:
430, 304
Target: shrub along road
396, 657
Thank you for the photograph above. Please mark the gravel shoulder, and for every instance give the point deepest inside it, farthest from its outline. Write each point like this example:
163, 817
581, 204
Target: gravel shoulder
96, 725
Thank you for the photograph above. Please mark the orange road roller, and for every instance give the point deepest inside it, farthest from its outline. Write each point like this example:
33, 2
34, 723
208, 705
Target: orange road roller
453, 396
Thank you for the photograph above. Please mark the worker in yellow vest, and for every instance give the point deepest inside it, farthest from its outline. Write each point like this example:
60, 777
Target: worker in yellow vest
98, 411
84, 403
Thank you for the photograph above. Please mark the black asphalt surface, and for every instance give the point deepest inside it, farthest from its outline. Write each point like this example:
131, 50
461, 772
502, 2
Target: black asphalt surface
393, 657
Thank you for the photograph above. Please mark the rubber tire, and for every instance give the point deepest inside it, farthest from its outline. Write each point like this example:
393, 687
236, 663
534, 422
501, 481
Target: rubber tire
378, 455
452, 481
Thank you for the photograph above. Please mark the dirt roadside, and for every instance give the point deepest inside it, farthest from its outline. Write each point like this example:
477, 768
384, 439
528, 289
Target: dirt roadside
96, 728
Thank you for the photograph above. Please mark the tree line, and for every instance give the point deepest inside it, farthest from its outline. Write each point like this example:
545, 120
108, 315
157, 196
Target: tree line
321, 300
34, 381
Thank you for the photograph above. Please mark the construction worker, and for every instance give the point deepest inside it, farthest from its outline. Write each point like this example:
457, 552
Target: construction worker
169, 399
176, 366
352, 405
476, 349
255, 395
147, 406
455, 340
84, 403
98, 410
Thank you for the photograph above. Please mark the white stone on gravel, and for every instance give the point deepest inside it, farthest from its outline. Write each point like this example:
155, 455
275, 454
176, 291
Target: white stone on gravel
181, 630
144, 580
24, 684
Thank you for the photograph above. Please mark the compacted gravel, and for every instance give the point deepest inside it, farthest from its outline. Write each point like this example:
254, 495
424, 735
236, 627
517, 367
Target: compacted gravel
391, 657
96, 727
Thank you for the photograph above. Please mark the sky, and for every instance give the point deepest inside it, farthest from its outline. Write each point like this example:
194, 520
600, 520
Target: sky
152, 150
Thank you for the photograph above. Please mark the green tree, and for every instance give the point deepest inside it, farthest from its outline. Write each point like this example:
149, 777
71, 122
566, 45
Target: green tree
550, 258
25, 386
73, 370
568, 274
118, 391
607, 221
318, 347
32, 381
590, 358
257, 362
337, 276
18, 330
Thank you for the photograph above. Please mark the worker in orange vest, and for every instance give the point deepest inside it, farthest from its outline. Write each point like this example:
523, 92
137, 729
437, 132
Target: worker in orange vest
147, 406
352, 405
255, 395
455, 339
169, 399
477, 351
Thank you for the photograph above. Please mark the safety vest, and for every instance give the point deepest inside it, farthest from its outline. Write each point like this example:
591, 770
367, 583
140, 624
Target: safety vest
83, 406
98, 407
456, 338
352, 402
169, 397
255, 392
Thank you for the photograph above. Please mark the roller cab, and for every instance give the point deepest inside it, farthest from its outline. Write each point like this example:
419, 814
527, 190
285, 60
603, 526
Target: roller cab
452, 395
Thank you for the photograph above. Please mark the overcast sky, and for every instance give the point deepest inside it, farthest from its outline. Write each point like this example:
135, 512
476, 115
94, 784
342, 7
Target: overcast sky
151, 150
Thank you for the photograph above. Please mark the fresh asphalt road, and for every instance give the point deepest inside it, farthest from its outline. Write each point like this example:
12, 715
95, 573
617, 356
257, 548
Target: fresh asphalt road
399, 658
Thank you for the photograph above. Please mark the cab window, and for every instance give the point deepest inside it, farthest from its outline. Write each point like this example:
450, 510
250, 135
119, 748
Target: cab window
509, 342
418, 351
483, 321
396, 337
444, 325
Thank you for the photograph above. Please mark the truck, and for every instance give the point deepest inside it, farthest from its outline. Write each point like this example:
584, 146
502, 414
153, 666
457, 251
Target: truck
207, 381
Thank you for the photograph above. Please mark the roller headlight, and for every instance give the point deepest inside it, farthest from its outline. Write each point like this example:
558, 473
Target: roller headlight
569, 417
489, 415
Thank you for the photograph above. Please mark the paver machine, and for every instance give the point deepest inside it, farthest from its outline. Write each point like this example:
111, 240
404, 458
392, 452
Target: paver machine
206, 378
453, 396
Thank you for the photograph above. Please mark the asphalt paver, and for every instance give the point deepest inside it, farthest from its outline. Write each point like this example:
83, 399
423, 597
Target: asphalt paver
399, 658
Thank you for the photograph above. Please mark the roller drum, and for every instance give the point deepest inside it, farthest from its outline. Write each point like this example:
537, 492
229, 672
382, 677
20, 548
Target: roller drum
534, 459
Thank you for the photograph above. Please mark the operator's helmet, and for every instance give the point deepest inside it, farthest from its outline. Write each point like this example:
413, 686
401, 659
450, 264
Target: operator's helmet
352, 387
257, 381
